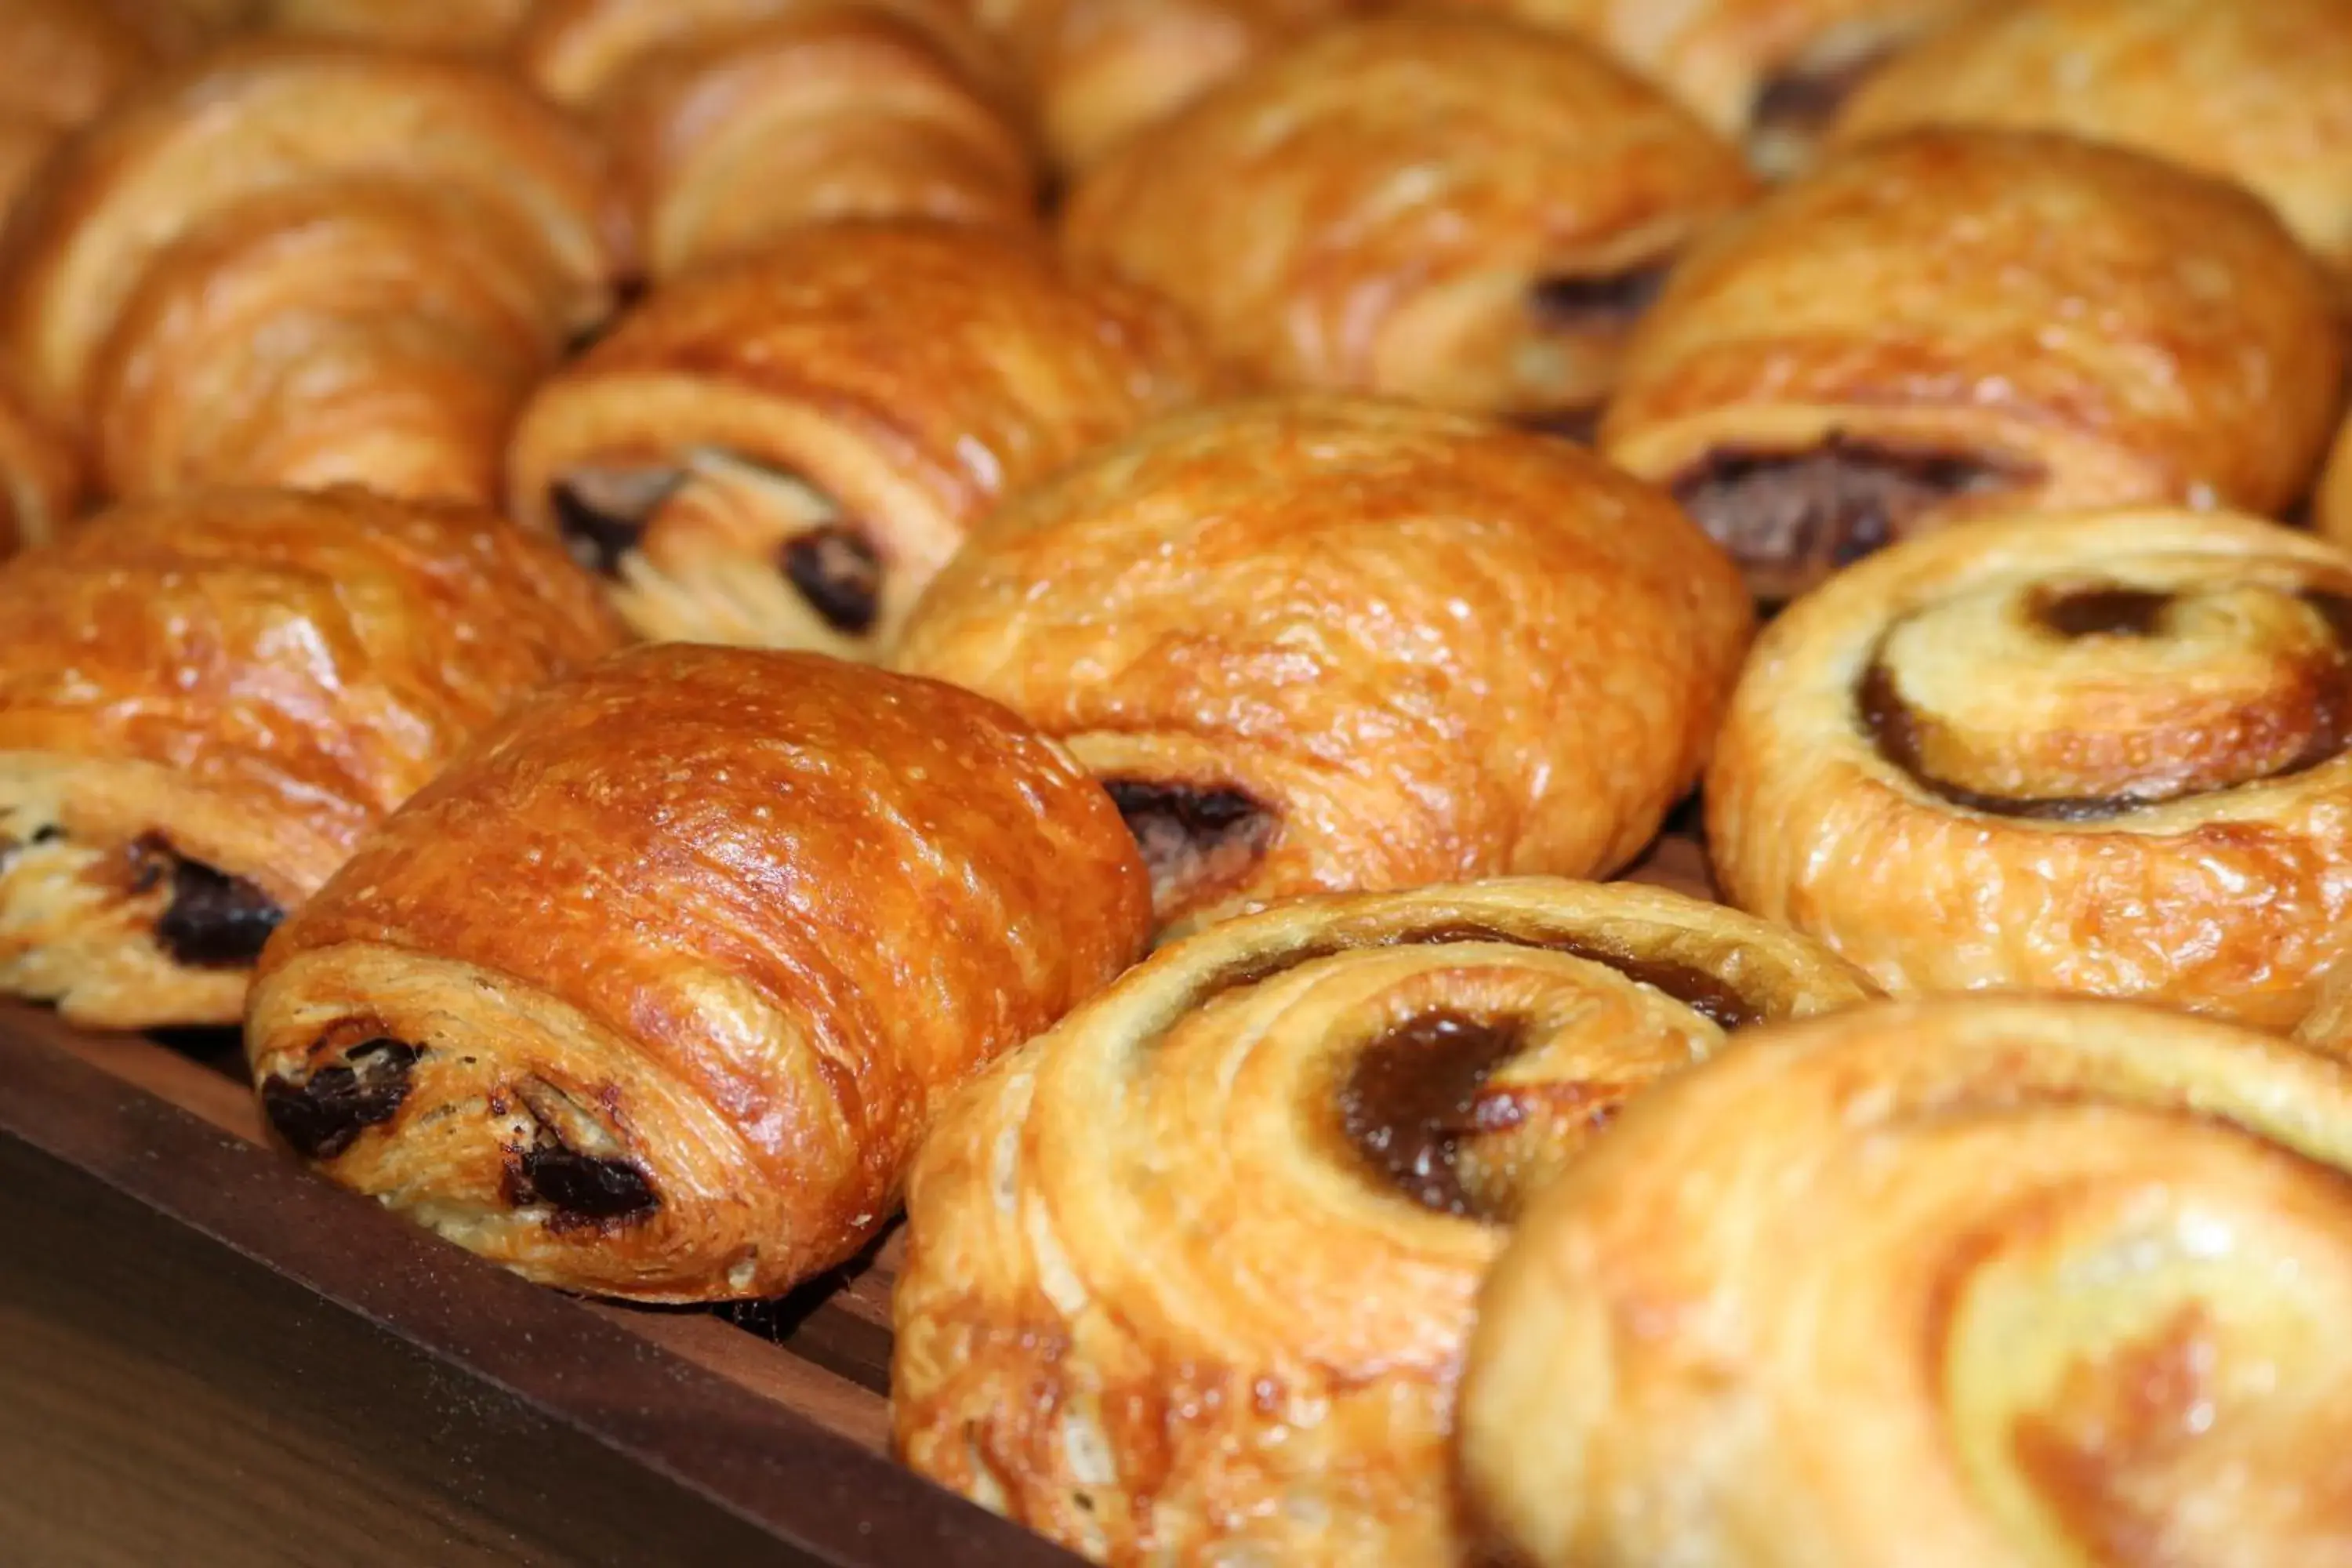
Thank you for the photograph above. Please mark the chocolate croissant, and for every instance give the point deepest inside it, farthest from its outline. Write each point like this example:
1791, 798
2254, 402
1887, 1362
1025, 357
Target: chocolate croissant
1317, 644
2102, 754
1949, 323
205, 702
666, 1021
2257, 92
781, 452
1100, 71
737, 120
40, 475
1255, 1362
1456, 209
304, 264
1949, 1285
1773, 73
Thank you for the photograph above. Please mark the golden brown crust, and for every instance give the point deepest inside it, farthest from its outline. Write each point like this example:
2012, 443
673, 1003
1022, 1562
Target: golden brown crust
1946, 1284
61, 61
478, 27
1771, 71
1321, 644
258, 118
40, 475
2259, 92
2025, 320
675, 1016
229, 689
1102, 70
784, 449
1189, 1278
1438, 207
844, 110
2102, 754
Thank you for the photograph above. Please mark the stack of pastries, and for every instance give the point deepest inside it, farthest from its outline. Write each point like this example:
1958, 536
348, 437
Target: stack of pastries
715, 622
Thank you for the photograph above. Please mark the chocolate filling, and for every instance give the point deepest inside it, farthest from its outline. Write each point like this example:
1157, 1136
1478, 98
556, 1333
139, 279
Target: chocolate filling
215, 920
1597, 304
602, 513
1706, 994
581, 1188
1192, 838
838, 573
1415, 1094
1798, 103
1798, 516
324, 1114
1893, 727
1578, 425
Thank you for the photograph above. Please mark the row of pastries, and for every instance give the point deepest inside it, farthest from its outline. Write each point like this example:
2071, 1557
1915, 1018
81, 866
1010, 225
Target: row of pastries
712, 621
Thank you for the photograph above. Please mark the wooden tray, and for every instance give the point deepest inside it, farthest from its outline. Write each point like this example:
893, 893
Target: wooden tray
209, 1356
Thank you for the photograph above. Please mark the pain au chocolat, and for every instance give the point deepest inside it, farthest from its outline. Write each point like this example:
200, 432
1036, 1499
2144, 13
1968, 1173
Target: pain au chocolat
784, 449
1969, 1284
2259, 91
2103, 753
664, 1019
1946, 324
301, 263
737, 120
1457, 209
1771, 73
1254, 1360
1315, 644
205, 702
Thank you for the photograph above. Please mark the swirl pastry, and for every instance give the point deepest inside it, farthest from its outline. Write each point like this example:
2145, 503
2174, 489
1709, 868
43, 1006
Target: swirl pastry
205, 702
1956, 1285
2100, 755
1255, 1362
1771, 72
1319, 643
478, 27
667, 1022
1949, 323
1100, 71
737, 120
2258, 92
782, 451
1452, 208
40, 475
303, 264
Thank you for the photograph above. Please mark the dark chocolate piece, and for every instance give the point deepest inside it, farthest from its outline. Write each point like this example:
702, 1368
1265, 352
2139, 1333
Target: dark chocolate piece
1801, 102
581, 1189
215, 920
1412, 1097
2104, 611
1581, 426
839, 573
1192, 836
602, 513
1592, 304
322, 1115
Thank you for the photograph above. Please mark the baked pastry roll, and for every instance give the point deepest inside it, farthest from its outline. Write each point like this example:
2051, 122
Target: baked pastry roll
205, 702
1772, 73
479, 27
1901, 341
1318, 644
737, 120
782, 451
61, 61
1456, 209
1255, 1362
2258, 92
307, 263
667, 1022
1964, 1283
2101, 755
40, 475
1101, 70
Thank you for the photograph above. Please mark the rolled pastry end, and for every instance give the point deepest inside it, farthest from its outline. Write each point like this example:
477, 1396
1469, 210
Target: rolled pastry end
527, 1132
1202, 842
127, 919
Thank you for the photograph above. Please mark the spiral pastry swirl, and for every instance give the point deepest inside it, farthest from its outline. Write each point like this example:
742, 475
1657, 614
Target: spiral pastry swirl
1967, 1282
1189, 1277
2101, 755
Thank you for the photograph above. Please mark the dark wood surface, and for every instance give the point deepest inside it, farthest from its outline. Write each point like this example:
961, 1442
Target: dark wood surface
208, 1356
